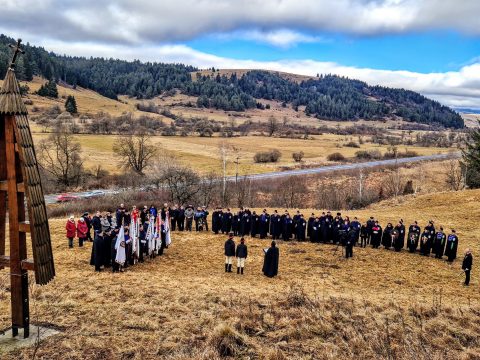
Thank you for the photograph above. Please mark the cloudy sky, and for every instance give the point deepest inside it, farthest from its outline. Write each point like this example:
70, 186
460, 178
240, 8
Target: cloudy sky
430, 46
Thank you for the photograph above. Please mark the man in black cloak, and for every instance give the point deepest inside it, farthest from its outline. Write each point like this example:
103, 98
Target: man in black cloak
246, 223
311, 219
337, 227
376, 235
413, 237
452, 246
364, 235
287, 228
400, 239
387, 236
255, 224
439, 243
236, 224
181, 218
270, 262
264, 222
467, 265
227, 221
350, 240
328, 228
315, 232
97, 258
425, 244
301, 228
275, 225
216, 220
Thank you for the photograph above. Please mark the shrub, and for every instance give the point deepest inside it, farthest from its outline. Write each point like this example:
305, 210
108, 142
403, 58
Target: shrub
298, 156
267, 156
368, 154
336, 157
352, 144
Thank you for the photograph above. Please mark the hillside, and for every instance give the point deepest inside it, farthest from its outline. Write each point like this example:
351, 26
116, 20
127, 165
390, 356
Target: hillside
325, 97
183, 306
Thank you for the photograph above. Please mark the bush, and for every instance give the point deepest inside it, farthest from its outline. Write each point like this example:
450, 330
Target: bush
368, 154
352, 144
298, 156
267, 156
336, 157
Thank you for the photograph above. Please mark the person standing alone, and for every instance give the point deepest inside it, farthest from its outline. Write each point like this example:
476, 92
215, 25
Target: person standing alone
241, 254
467, 265
229, 252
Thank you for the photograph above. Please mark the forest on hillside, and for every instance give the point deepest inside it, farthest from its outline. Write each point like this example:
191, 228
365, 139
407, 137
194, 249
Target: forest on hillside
325, 97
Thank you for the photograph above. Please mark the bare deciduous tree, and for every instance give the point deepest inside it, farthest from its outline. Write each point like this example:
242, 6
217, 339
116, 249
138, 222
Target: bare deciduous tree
136, 151
272, 126
292, 191
60, 157
454, 175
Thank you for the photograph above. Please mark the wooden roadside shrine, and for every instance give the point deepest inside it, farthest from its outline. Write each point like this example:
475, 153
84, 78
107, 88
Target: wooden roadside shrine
19, 183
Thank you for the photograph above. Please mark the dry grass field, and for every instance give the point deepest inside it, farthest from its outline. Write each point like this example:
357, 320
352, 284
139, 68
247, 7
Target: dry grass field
203, 153
378, 305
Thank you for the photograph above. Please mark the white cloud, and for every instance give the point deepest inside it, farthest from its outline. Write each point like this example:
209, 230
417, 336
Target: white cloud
282, 38
455, 88
140, 21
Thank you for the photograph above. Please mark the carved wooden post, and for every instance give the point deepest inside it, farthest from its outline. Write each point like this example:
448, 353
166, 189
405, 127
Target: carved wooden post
20, 181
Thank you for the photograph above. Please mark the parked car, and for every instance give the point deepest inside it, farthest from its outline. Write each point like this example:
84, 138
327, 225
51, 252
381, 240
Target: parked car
66, 198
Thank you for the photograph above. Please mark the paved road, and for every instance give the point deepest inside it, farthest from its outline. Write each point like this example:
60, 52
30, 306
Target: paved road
50, 199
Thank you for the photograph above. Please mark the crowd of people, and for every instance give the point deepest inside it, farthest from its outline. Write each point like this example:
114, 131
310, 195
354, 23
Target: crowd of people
124, 238
151, 230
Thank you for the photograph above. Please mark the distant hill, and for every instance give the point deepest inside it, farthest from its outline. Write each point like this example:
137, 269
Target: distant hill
326, 97
467, 110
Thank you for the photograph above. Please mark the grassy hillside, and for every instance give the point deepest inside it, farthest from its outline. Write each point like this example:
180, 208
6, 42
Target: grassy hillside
380, 304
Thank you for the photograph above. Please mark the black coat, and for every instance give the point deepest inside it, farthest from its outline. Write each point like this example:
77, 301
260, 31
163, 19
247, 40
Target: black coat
270, 263
242, 251
229, 247
452, 246
98, 258
227, 219
96, 224
467, 262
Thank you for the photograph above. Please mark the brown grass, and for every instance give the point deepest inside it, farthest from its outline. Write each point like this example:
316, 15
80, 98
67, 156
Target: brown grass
380, 304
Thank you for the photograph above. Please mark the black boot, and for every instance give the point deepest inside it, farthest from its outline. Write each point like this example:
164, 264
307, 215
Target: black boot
241, 270
230, 268
238, 270
226, 267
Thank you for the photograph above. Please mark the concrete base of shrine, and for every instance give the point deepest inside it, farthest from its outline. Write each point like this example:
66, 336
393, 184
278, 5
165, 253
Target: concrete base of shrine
9, 343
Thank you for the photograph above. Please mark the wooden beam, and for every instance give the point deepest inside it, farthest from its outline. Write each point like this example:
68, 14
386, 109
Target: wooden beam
24, 226
27, 264
4, 186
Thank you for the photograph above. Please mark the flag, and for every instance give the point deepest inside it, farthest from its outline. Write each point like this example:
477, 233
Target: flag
120, 247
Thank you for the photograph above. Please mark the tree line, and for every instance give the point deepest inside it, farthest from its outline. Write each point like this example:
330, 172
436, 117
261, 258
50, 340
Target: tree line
325, 97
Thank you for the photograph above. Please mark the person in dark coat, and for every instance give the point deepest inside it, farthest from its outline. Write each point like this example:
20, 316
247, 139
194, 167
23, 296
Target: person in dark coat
227, 219
467, 265
97, 258
88, 220
439, 243
264, 224
119, 215
399, 241
328, 227
173, 214
287, 228
364, 235
275, 225
217, 216
97, 222
370, 225
315, 232
310, 221
236, 224
246, 225
142, 237
254, 230
144, 215
413, 237
451, 246
241, 253
337, 228
425, 243
229, 252
387, 236
350, 240
270, 262
181, 219
356, 226
376, 236
301, 228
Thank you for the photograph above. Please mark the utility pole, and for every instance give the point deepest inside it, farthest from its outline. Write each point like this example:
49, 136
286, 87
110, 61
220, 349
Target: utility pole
236, 171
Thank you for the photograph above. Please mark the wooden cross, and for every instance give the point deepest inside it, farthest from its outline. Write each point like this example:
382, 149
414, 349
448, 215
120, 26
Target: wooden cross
16, 49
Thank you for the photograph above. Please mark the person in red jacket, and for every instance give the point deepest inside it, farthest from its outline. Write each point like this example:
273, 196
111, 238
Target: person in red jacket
71, 230
82, 231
